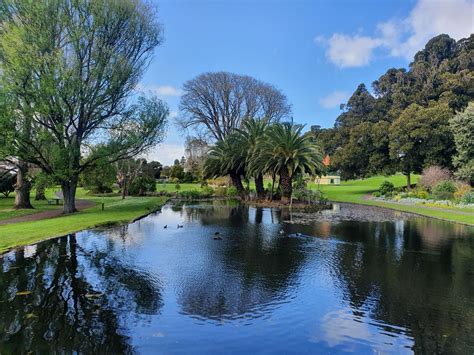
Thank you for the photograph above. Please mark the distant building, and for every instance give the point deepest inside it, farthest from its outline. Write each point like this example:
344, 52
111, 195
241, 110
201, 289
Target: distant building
330, 179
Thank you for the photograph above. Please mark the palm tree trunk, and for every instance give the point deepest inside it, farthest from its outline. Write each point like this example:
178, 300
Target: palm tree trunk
259, 187
286, 185
237, 182
273, 186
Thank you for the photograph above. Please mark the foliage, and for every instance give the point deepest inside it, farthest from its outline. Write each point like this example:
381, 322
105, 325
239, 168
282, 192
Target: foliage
415, 106
312, 197
420, 136
422, 194
284, 150
177, 171
194, 194
231, 192
432, 176
444, 190
387, 188
70, 87
445, 186
462, 189
141, 185
462, 126
7, 182
177, 187
100, 177
468, 198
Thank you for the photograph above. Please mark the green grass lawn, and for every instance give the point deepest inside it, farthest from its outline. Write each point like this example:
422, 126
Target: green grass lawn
116, 211
7, 211
355, 190
170, 187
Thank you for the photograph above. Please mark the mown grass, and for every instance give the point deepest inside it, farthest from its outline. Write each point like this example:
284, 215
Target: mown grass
7, 211
170, 187
355, 191
116, 211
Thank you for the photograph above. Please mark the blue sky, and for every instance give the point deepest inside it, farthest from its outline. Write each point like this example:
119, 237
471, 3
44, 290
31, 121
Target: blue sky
316, 52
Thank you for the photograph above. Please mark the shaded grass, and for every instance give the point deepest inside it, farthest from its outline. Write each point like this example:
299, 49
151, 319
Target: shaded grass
7, 211
116, 211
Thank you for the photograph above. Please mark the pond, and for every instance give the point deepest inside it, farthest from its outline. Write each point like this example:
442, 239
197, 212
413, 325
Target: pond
276, 282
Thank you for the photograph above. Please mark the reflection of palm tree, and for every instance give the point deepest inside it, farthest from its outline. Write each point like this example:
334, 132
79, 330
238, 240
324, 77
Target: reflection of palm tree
64, 311
427, 291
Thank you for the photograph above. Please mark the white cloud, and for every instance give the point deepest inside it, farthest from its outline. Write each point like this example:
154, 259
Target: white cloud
351, 51
173, 114
164, 90
334, 99
166, 153
405, 36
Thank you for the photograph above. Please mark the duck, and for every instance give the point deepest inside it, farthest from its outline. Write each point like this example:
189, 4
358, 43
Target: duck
166, 226
217, 236
180, 226
282, 232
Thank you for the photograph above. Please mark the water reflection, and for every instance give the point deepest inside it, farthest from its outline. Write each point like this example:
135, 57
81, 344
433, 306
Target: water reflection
58, 296
334, 285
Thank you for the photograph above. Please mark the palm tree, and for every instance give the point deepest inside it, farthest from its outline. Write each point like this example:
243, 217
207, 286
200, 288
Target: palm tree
285, 151
225, 158
248, 136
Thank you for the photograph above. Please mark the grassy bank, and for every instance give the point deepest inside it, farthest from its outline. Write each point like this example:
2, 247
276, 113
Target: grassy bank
116, 211
356, 191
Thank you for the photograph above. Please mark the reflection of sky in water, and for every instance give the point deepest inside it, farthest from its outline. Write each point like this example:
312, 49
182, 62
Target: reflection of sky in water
338, 287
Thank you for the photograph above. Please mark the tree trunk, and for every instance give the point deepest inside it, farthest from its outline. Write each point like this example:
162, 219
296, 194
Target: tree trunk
69, 195
40, 193
286, 185
408, 181
273, 186
237, 182
259, 187
22, 187
124, 190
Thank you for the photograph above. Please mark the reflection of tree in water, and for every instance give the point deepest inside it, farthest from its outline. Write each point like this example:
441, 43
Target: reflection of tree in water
251, 270
392, 271
64, 311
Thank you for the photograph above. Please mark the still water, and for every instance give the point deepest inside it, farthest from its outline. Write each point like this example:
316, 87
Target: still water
273, 284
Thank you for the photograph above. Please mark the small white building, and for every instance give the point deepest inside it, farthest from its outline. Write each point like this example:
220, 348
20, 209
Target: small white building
328, 180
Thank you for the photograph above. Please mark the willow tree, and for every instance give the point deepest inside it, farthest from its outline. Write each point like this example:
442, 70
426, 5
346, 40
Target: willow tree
70, 68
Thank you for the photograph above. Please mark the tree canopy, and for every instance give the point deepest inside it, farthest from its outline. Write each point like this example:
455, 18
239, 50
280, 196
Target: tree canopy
69, 70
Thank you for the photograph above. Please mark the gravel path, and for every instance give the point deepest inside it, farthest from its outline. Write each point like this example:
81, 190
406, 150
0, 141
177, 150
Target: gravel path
80, 205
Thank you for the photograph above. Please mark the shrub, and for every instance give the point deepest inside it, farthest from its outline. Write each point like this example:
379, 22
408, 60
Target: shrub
386, 188
141, 185
177, 187
468, 198
220, 191
432, 176
462, 188
376, 194
443, 195
207, 191
422, 194
231, 192
445, 186
7, 182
